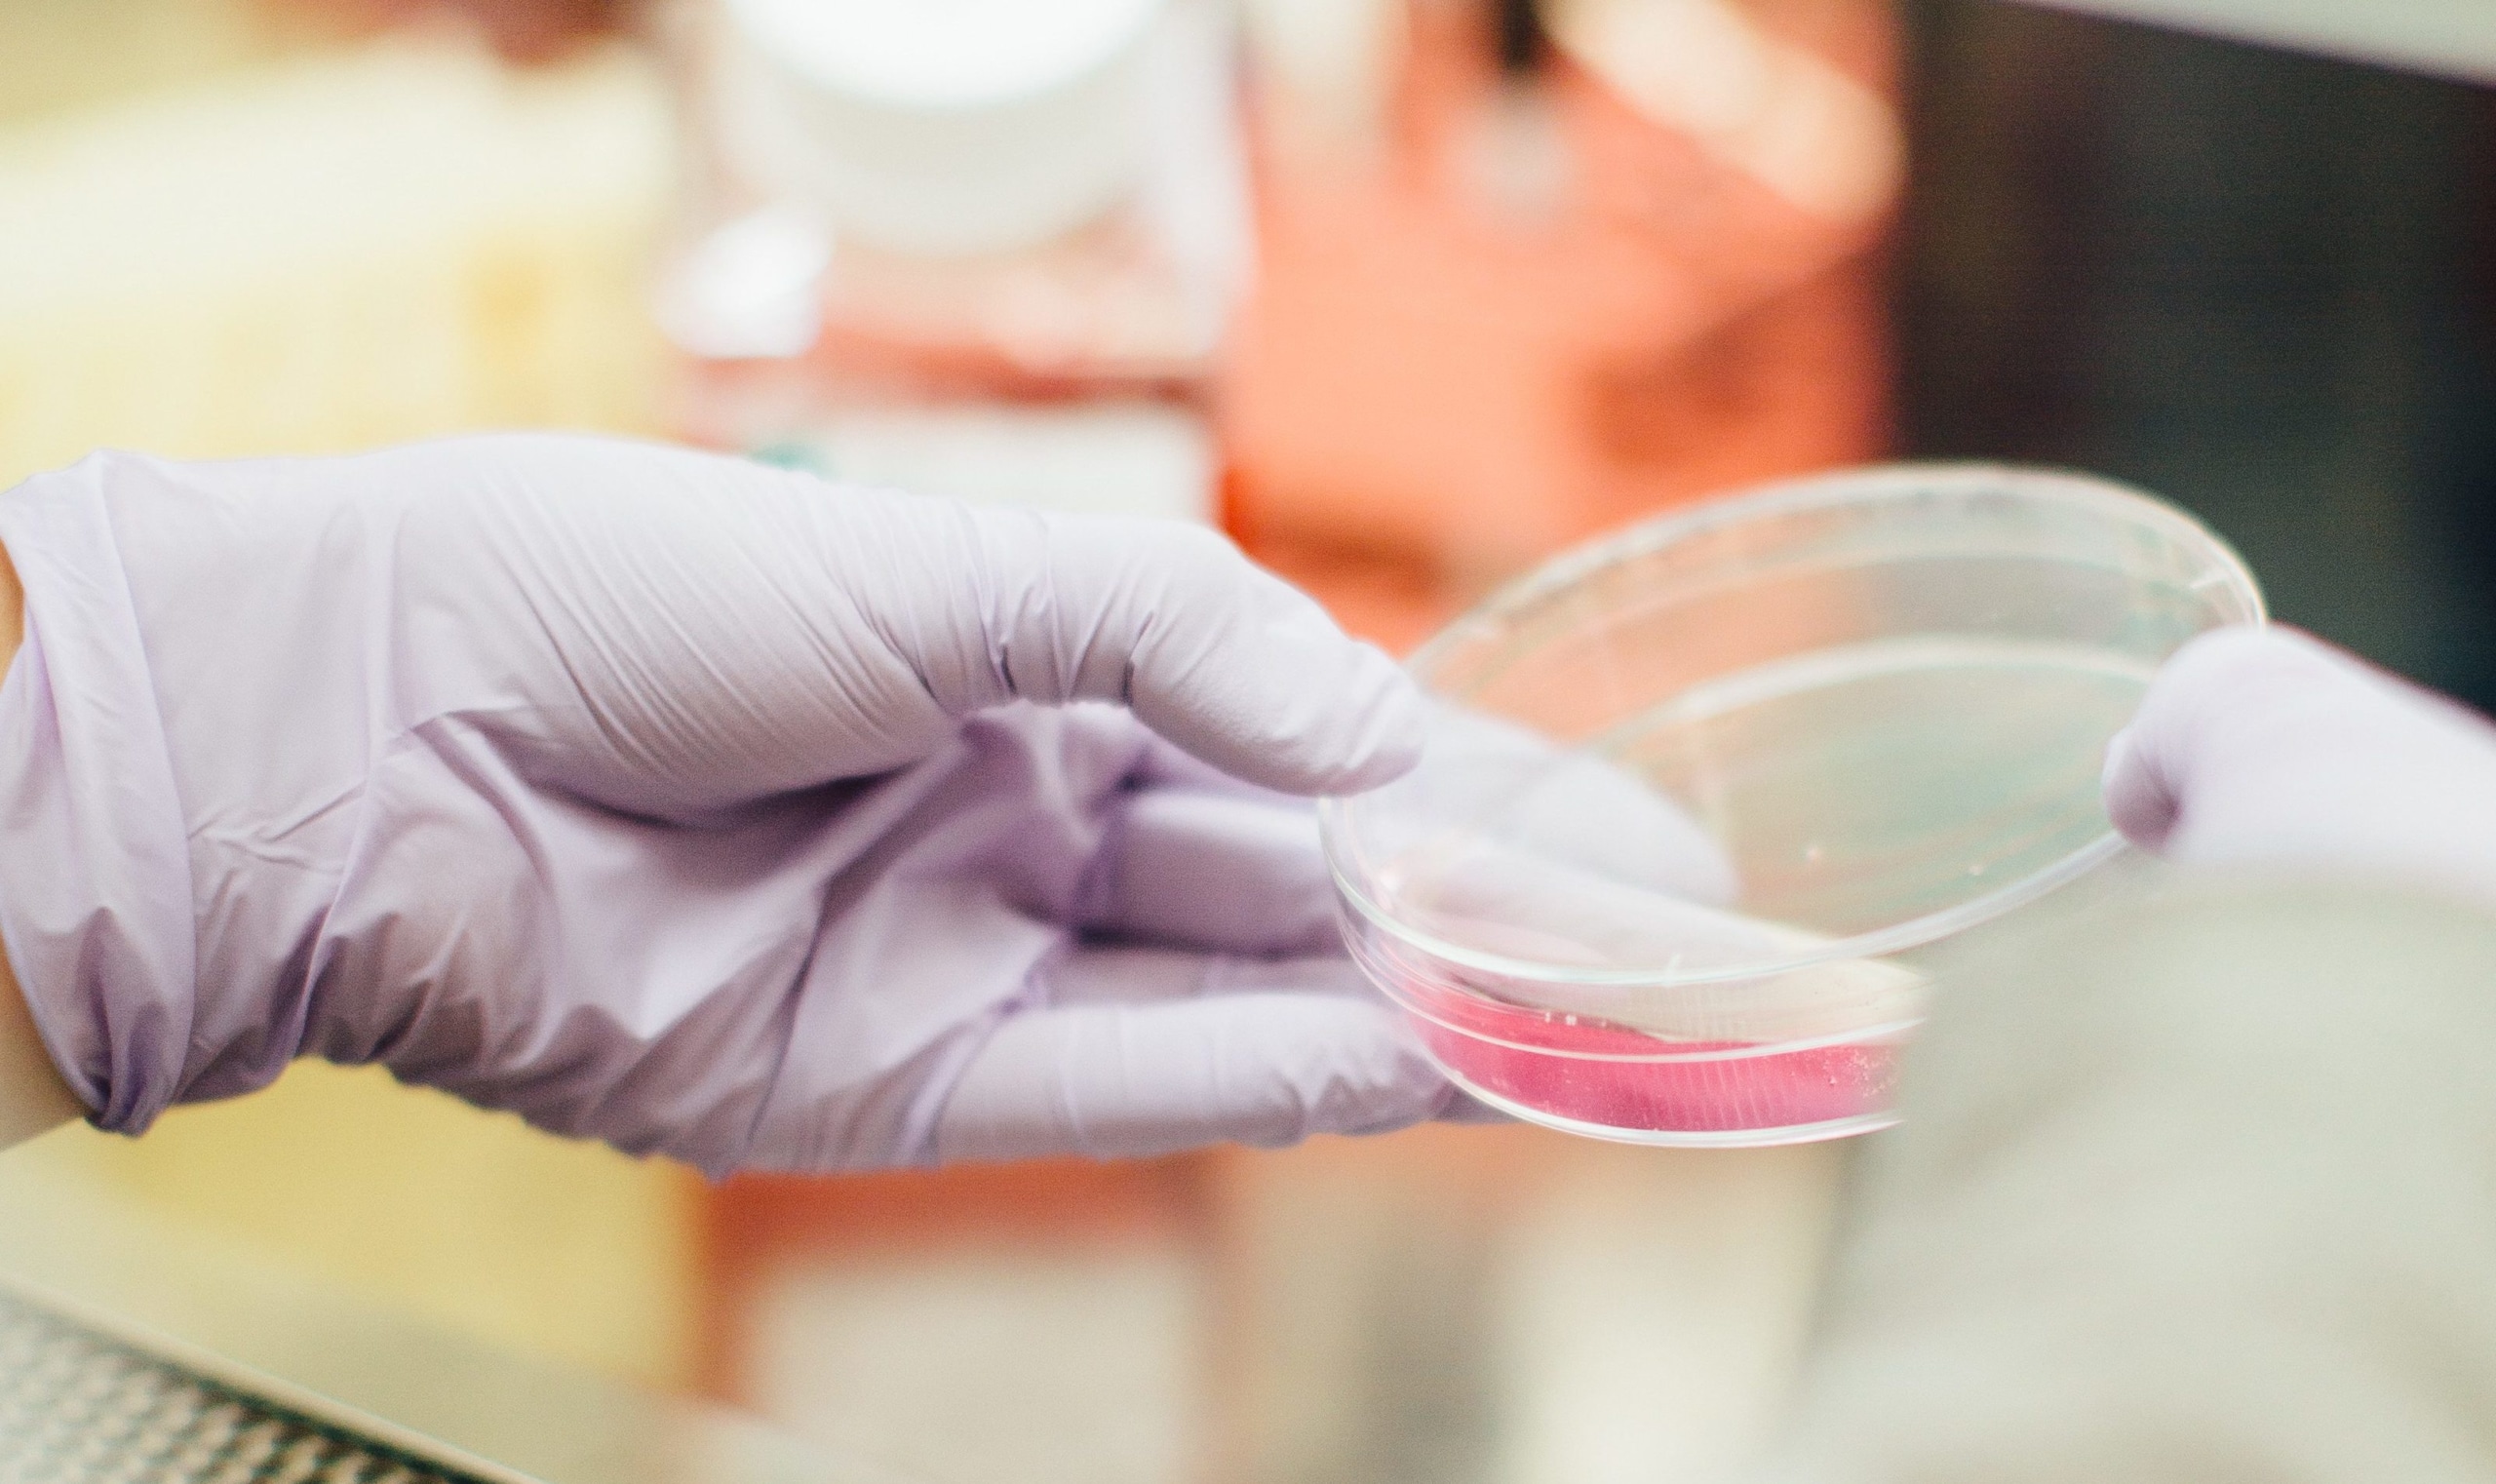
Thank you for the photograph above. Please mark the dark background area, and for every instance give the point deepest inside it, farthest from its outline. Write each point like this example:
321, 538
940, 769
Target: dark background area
2258, 283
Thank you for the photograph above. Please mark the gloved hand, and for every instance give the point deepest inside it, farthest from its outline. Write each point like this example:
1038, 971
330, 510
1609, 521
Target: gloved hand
2266, 748
684, 803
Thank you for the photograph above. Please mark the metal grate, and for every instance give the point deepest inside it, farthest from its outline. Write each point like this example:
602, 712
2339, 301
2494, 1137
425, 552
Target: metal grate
77, 1407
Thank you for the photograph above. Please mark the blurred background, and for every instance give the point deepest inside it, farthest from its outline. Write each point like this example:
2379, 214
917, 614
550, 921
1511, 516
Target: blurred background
1406, 294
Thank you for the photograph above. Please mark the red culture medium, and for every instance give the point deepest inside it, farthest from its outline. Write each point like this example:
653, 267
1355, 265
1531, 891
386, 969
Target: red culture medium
1594, 1071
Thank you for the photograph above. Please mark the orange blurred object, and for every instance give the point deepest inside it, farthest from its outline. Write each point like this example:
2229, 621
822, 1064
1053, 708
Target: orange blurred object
757, 1227
523, 30
1523, 310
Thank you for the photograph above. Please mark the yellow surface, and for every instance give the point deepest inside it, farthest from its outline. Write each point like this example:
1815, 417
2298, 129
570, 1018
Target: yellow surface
329, 254
420, 1202
214, 244
59, 54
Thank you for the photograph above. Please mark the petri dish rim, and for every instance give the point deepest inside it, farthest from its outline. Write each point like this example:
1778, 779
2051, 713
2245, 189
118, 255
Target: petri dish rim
1838, 489
1678, 1138
2115, 502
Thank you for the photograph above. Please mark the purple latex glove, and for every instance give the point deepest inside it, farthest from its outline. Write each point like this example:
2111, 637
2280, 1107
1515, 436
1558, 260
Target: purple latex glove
2266, 748
687, 805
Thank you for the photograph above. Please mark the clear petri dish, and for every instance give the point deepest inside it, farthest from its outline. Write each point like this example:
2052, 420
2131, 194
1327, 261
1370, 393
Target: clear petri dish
1703, 795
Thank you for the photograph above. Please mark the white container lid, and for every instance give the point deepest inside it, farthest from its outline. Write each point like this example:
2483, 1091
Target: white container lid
948, 128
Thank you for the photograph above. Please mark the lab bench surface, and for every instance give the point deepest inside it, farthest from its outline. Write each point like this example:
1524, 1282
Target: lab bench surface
174, 1362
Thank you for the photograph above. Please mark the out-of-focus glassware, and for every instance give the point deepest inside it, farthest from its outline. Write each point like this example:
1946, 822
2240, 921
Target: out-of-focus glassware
988, 248
1866, 714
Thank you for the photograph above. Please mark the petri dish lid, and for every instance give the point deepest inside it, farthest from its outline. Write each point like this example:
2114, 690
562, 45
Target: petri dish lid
1833, 720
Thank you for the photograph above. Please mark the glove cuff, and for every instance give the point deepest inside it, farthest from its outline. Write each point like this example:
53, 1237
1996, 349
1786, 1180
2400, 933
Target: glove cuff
95, 899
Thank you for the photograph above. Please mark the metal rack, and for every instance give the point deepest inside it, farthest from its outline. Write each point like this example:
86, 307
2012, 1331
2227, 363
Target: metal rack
82, 1406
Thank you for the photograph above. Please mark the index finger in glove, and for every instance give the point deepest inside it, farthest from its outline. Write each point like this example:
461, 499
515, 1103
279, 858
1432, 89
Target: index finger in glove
712, 631
1169, 619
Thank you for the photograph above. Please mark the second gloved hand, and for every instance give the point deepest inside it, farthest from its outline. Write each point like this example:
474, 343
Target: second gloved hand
687, 805
2266, 749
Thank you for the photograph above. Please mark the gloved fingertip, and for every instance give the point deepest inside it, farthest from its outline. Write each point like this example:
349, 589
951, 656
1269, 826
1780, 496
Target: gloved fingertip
2137, 801
2119, 749
1391, 728
1343, 719
1238, 667
2211, 678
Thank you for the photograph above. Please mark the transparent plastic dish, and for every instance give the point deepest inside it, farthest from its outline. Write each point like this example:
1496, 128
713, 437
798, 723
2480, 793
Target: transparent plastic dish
1703, 795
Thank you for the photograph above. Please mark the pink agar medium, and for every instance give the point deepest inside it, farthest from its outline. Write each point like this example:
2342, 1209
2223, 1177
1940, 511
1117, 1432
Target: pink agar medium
1593, 1072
